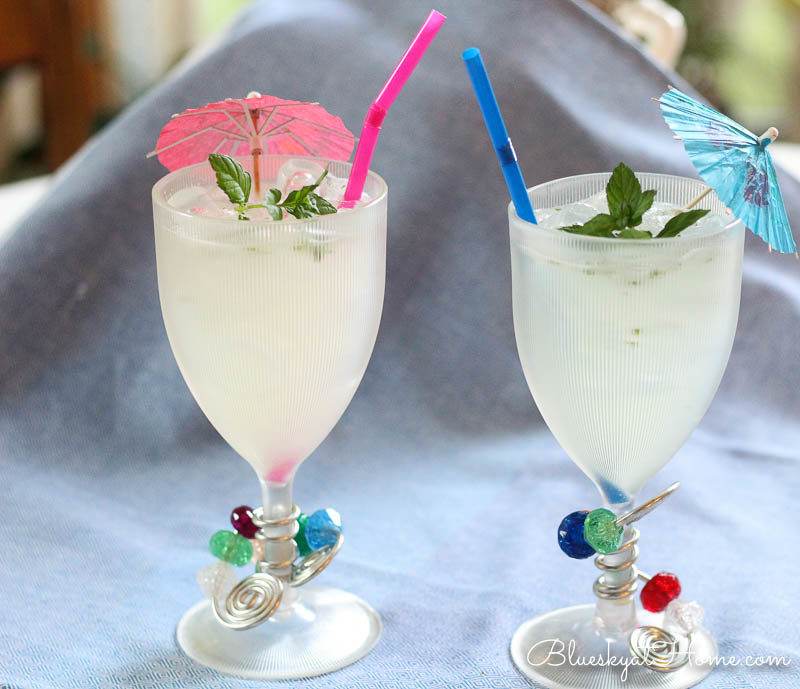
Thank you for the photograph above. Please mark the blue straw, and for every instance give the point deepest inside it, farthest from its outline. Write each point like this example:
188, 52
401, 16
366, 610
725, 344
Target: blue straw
497, 131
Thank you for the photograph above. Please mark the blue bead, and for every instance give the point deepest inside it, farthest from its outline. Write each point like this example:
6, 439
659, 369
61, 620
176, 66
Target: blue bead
570, 536
323, 528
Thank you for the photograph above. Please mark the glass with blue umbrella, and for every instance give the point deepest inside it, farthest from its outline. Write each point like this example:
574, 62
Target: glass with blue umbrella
626, 291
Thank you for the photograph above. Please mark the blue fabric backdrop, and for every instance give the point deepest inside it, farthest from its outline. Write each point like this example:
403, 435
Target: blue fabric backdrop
450, 483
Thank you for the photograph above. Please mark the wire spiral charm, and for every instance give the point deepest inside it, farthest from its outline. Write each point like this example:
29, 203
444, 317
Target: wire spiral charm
313, 563
608, 591
250, 602
658, 649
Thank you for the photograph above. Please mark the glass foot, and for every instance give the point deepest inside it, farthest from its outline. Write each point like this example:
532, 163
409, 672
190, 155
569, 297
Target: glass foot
322, 630
556, 650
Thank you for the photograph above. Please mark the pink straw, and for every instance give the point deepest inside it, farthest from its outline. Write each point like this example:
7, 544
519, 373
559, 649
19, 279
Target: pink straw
377, 111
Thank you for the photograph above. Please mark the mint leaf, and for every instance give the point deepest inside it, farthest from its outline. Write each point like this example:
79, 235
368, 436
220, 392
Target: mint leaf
232, 178
271, 199
298, 196
622, 191
631, 233
642, 206
301, 194
304, 203
627, 203
319, 204
298, 212
680, 222
601, 225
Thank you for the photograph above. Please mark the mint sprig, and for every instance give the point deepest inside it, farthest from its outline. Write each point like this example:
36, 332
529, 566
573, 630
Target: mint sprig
301, 203
627, 204
235, 181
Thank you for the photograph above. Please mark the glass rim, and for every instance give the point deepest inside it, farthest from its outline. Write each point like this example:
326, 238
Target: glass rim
528, 227
159, 200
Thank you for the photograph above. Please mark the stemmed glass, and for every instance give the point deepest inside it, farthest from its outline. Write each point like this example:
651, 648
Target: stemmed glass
272, 325
623, 344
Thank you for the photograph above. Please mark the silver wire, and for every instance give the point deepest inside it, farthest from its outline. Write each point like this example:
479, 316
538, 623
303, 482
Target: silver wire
658, 649
602, 588
312, 564
638, 512
250, 602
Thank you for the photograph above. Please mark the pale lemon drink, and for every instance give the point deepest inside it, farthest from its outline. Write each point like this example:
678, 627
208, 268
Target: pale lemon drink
624, 341
272, 323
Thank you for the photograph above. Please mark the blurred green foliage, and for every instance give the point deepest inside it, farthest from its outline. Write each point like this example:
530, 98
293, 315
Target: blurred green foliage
744, 56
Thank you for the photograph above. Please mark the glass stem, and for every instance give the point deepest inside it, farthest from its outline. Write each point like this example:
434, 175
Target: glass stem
280, 550
615, 617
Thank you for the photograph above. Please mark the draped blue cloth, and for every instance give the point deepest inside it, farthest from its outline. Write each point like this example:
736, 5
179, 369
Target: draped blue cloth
449, 483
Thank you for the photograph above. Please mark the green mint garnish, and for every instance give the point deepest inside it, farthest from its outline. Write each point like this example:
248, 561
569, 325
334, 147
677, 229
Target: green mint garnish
601, 225
633, 233
301, 203
627, 203
235, 181
680, 222
271, 199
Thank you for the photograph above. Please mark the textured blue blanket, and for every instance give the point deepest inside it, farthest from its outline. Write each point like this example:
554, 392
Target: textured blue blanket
449, 482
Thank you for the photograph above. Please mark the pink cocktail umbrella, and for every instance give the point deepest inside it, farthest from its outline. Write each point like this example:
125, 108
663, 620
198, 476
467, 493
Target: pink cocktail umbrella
245, 126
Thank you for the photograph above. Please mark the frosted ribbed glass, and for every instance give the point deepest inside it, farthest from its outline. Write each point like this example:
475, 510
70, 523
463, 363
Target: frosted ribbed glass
623, 342
272, 324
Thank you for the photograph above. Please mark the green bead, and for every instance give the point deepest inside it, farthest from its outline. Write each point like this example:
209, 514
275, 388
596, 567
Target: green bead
302, 544
600, 531
231, 547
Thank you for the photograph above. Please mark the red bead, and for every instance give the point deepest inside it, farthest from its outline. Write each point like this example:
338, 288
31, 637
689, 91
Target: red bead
242, 520
659, 591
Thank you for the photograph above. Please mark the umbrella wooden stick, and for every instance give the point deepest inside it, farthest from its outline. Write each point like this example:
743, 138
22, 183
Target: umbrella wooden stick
697, 199
256, 152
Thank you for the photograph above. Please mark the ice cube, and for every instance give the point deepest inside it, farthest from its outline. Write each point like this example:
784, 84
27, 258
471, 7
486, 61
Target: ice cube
333, 188
185, 198
598, 202
543, 216
561, 216
208, 201
294, 174
656, 217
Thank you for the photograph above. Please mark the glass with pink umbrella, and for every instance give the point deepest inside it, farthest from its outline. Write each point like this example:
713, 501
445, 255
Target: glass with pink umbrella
271, 298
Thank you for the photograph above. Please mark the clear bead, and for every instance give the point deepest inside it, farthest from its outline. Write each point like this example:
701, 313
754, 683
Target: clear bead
217, 579
684, 616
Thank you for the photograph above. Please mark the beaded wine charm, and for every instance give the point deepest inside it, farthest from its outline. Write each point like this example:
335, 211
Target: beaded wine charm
584, 533
244, 604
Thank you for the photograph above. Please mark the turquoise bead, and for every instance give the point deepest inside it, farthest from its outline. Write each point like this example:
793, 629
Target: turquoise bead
323, 528
231, 547
600, 530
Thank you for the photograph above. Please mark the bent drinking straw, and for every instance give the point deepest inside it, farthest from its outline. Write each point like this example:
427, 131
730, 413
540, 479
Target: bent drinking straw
377, 111
497, 131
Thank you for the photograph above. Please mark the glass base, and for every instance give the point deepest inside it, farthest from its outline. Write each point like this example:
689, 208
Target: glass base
323, 630
541, 650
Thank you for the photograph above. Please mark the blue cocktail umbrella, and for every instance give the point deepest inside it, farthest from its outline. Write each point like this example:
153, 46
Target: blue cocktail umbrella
735, 163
